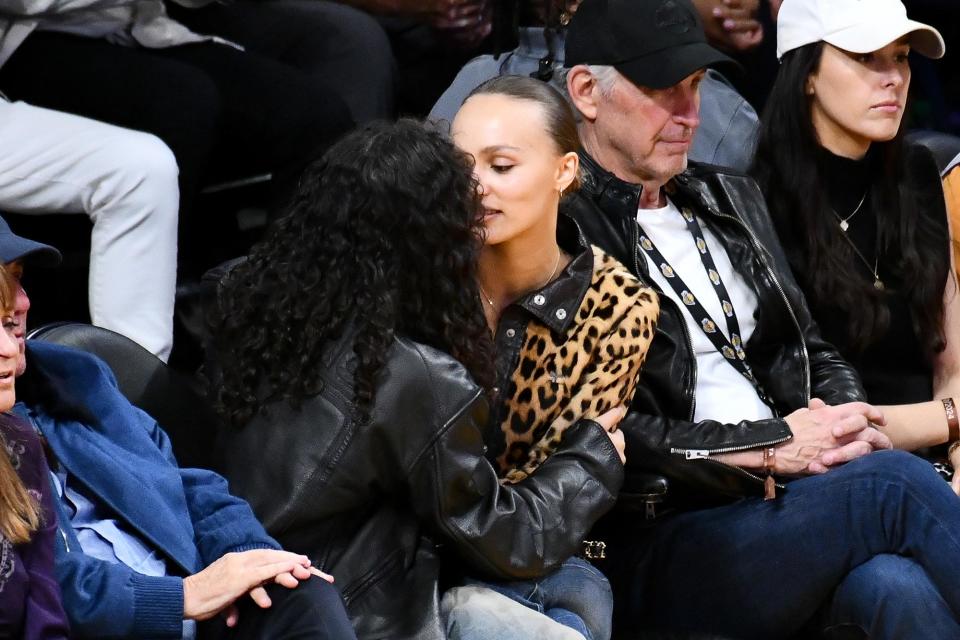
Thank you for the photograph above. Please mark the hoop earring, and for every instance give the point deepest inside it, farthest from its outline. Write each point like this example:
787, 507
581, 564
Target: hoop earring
561, 193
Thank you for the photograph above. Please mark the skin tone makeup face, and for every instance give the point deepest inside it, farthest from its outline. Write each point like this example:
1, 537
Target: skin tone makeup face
858, 98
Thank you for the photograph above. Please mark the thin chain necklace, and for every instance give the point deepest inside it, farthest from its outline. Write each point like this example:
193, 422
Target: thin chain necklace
877, 282
553, 273
845, 222
844, 225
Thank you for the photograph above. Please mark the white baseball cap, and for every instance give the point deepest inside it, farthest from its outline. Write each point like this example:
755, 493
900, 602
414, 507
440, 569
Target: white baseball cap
860, 26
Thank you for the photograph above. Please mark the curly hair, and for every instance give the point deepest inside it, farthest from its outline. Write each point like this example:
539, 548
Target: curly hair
381, 239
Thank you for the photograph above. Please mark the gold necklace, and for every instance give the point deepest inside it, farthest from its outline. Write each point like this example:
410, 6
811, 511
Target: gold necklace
845, 222
844, 225
553, 273
877, 282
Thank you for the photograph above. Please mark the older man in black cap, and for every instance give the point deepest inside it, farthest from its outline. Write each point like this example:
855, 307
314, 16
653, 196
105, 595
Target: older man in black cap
779, 506
146, 549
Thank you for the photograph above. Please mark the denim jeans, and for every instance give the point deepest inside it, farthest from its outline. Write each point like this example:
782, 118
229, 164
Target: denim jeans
576, 595
875, 543
475, 612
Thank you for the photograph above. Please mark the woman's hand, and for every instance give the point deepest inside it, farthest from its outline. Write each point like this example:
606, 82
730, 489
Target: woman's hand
609, 421
216, 588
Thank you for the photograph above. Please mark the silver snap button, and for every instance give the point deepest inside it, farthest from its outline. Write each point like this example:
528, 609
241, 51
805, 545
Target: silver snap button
561, 314
511, 333
539, 300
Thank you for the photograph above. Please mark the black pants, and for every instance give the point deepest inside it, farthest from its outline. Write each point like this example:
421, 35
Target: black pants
336, 44
312, 611
224, 113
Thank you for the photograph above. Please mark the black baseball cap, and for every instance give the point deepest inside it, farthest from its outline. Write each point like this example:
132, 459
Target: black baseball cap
13, 247
654, 43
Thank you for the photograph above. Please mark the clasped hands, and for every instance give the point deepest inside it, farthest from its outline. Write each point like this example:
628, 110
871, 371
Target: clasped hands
826, 436
217, 588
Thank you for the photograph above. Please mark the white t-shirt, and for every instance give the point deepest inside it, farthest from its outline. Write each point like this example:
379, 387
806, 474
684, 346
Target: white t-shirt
722, 393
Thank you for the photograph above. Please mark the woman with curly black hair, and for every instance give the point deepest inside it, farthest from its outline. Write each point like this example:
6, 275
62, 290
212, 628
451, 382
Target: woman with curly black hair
353, 354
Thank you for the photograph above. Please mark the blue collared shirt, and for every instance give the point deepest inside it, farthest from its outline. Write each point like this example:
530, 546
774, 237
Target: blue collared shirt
101, 536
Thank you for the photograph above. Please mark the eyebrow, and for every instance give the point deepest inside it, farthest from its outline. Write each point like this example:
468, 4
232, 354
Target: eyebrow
498, 147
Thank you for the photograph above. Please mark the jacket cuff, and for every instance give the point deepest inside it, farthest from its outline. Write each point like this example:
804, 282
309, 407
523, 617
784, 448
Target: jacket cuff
158, 606
250, 546
590, 437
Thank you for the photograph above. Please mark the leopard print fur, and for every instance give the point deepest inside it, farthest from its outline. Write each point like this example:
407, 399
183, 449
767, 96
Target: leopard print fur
593, 368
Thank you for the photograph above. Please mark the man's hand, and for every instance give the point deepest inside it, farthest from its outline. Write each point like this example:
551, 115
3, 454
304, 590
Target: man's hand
207, 593
825, 436
609, 422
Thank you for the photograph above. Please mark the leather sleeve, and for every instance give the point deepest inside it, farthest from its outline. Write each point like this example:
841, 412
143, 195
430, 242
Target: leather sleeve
516, 531
658, 444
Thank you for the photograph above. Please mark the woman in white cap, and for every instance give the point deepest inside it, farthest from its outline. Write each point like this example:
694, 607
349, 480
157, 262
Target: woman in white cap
861, 213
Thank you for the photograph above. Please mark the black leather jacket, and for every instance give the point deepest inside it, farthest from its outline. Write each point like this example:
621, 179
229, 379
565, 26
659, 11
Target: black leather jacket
370, 503
786, 352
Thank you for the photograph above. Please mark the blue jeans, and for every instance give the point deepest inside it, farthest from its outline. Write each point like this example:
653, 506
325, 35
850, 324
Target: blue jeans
576, 595
874, 543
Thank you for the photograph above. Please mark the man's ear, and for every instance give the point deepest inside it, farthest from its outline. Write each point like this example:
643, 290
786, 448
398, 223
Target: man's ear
584, 91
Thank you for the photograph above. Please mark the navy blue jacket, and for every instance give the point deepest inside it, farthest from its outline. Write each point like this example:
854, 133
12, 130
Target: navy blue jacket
123, 457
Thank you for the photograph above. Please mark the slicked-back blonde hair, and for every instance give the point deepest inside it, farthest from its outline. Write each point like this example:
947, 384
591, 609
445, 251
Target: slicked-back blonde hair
559, 121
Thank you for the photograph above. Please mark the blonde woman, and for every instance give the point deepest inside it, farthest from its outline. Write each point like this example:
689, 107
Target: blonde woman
571, 324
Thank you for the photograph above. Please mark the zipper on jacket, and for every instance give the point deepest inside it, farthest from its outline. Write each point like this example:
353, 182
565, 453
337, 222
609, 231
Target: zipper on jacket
743, 472
693, 454
704, 454
690, 392
805, 356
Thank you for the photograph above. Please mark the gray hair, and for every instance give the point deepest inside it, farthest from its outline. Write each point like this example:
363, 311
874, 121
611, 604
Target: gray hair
605, 75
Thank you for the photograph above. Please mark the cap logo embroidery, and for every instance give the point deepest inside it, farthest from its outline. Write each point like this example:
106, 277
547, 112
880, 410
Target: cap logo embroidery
673, 18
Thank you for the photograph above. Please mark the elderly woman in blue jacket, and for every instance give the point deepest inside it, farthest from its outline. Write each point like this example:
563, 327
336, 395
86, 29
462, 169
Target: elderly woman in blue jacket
145, 548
